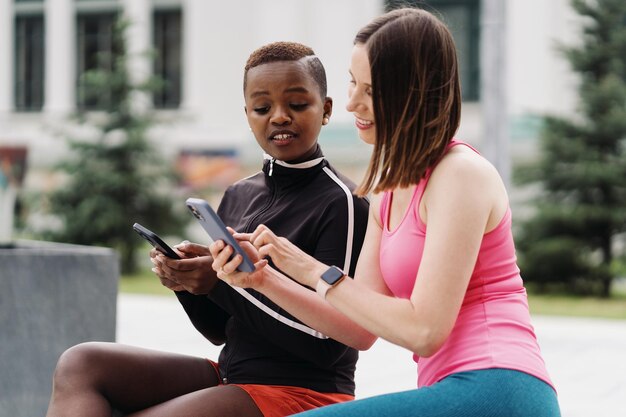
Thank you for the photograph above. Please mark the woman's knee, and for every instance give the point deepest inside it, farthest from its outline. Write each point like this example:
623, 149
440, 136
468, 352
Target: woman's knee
80, 363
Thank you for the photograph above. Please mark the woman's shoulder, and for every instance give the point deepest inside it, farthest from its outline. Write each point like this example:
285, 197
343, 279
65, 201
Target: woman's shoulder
466, 179
333, 187
462, 175
463, 164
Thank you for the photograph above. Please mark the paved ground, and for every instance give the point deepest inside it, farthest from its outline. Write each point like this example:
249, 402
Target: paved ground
586, 357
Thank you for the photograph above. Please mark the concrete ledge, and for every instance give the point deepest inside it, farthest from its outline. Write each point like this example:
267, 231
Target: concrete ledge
52, 296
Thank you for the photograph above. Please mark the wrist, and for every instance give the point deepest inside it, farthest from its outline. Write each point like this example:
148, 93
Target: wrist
329, 279
315, 274
268, 275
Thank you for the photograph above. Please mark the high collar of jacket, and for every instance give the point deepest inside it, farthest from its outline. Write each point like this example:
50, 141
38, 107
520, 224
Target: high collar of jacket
285, 173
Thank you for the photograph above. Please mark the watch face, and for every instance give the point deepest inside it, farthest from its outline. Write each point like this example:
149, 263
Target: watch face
333, 275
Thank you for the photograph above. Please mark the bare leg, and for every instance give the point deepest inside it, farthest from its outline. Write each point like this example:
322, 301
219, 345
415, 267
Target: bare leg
99, 377
220, 401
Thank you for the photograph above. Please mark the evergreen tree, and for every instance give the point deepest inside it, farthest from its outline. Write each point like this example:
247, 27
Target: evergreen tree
581, 209
118, 178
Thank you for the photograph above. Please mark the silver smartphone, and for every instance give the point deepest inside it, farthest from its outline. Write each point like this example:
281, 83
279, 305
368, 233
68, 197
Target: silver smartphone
213, 225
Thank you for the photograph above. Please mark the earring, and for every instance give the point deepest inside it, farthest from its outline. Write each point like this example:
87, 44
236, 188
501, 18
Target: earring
325, 120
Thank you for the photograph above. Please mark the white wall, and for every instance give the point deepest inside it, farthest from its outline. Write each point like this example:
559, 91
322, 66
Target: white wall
218, 37
540, 77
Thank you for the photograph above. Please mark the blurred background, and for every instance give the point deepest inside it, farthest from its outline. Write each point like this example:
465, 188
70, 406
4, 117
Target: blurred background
113, 112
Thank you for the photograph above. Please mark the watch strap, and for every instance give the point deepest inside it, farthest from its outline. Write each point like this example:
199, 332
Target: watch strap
322, 288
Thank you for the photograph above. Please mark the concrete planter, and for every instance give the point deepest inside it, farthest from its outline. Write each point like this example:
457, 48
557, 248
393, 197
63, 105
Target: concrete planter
52, 296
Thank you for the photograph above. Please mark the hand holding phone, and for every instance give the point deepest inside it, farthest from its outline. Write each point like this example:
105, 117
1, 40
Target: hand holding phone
216, 230
155, 241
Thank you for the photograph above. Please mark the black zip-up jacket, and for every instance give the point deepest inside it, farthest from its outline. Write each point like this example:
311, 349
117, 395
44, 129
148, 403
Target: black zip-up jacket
312, 205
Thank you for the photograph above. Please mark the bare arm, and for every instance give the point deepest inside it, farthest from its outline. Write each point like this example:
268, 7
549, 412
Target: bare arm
300, 301
304, 303
462, 194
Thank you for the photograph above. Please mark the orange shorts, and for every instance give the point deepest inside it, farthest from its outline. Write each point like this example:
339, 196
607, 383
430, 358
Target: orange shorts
281, 401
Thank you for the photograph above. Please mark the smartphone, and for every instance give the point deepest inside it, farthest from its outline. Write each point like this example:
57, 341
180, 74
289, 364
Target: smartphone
155, 241
216, 229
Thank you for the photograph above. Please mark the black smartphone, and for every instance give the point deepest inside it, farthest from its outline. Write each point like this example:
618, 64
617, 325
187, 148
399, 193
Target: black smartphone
216, 229
155, 241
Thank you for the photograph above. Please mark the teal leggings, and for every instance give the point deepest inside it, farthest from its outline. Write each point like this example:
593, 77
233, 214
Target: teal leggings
484, 393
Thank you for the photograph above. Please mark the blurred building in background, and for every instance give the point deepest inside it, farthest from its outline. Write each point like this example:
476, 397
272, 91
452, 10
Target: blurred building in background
201, 47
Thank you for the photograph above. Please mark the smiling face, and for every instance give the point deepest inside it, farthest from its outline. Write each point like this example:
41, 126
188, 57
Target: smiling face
360, 94
284, 109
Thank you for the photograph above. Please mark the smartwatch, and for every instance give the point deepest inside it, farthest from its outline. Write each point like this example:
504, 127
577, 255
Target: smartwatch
329, 279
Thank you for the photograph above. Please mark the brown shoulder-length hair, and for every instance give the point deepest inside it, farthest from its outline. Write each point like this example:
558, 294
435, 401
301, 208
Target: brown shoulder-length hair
416, 96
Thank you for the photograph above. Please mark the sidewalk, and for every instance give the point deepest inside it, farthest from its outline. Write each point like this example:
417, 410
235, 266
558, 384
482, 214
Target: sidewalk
585, 357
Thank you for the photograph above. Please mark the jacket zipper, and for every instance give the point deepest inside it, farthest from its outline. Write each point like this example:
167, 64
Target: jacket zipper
267, 206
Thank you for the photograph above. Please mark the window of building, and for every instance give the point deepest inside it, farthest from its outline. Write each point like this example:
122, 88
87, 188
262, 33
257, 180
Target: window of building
94, 32
463, 19
29, 62
167, 37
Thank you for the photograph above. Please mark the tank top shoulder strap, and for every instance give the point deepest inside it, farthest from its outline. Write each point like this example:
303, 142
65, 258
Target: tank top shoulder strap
455, 142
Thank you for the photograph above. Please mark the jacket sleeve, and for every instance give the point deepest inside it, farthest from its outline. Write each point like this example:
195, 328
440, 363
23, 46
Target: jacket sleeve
206, 316
276, 324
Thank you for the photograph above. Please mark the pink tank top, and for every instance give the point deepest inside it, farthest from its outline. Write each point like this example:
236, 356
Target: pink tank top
493, 329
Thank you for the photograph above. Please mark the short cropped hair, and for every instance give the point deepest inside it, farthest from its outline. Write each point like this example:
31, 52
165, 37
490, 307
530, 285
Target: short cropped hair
288, 51
416, 96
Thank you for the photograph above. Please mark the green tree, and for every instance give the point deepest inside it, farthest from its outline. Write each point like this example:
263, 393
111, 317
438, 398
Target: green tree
581, 208
118, 178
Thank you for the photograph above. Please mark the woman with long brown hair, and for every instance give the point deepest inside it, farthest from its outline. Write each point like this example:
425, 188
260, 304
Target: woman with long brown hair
437, 273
